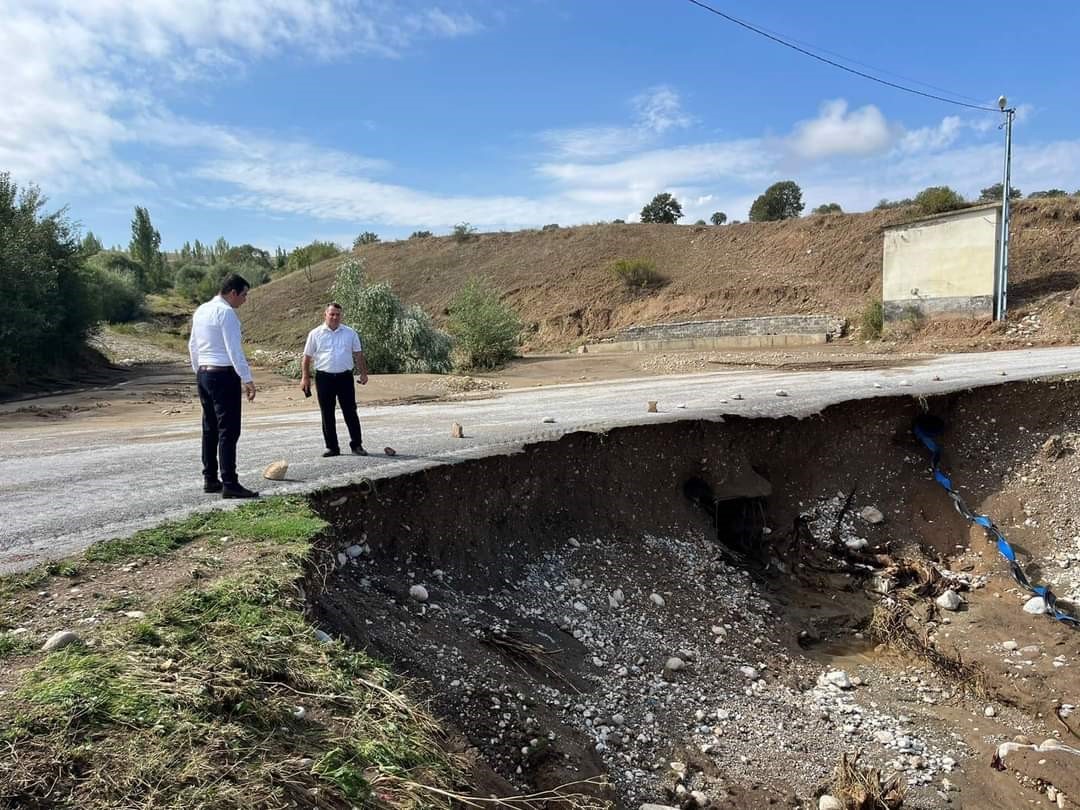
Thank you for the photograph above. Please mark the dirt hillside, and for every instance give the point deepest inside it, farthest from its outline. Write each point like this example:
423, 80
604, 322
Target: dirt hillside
559, 280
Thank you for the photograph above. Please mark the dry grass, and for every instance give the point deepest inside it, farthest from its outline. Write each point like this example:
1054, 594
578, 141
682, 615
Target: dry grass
222, 697
896, 624
862, 788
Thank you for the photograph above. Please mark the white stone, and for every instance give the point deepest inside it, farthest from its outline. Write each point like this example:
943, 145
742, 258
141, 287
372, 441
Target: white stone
1036, 605
548, 419
837, 678
989, 711
299, 713
419, 593
1010, 645
871, 514
354, 551
573, 541
828, 802
749, 673
856, 543
949, 600
134, 614
59, 640
656, 599
674, 664
780, 392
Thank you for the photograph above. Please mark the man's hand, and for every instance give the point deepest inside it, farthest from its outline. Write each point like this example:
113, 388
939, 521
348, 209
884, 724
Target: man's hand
362, 377
249, 389
305, 386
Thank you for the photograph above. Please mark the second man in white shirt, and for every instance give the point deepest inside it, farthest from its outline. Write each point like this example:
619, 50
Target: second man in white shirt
335, 352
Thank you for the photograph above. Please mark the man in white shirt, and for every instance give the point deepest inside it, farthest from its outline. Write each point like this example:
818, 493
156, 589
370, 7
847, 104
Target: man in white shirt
335, 352
221, 369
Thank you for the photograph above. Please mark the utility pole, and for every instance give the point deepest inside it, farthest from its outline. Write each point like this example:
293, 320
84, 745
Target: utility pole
1003, 246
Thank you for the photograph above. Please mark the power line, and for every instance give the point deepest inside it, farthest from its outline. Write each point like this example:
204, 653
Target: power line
812, 55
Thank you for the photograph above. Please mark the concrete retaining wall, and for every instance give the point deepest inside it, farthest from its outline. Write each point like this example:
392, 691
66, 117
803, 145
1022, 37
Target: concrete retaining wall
826, 325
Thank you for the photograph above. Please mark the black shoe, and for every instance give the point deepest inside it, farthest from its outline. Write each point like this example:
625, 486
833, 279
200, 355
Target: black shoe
359, 450
212, 486
330, 453
237, 491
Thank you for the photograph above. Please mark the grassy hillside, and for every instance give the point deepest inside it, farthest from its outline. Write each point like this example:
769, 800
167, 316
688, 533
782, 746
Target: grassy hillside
560, 280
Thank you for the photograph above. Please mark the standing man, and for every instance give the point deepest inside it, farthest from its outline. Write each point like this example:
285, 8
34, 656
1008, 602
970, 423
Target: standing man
335, 351
221, 370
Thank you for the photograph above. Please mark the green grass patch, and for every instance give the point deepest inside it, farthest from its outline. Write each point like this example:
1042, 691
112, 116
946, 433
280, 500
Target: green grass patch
274, 519
222, 697
11, 644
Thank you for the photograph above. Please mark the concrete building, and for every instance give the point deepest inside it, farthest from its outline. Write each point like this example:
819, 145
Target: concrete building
942, 266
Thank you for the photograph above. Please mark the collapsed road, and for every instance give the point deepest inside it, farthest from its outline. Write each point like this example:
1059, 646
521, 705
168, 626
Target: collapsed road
65, 487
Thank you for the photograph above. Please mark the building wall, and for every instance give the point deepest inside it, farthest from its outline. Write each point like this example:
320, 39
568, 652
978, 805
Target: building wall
942, 266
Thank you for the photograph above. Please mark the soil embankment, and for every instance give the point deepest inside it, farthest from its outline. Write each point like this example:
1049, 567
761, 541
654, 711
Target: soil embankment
689, 607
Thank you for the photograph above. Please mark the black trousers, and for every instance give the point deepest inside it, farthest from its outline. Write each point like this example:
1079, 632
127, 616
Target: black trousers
338, 388
220, 394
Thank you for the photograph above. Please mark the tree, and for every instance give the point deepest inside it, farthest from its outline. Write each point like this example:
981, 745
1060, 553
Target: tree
420, 235
1042, 195
145, 250
829, 208
886, 205
701, 222
90, 245
663, 209
311, 254
781, 200
366, 238
486, 331
993, 193
463, 232
939, 199
718, 218
45, 305
396, 338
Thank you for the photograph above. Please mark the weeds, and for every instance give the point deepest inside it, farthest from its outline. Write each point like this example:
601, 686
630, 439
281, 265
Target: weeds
872, 321
638, 274
222, 697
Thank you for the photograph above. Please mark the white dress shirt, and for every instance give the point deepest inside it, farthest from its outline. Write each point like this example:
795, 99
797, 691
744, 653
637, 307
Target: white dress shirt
215, 338
332, 350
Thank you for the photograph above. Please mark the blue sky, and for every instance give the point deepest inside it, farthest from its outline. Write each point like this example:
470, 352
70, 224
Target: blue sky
276, 122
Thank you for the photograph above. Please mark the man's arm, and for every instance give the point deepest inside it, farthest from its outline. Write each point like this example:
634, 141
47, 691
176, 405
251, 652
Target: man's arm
361, 366
230, 329
305, 374
193, 349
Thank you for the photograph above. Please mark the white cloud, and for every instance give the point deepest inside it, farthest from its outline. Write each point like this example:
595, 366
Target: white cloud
659, 109
656, 111
838, 132
935, 137
75, 74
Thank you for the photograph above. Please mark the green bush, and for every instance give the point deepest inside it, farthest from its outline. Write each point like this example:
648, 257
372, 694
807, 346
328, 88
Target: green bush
638, 274
487, 333
311, 254
938, 200
873, 321
420, 235
463, 232
396, 339
117, 298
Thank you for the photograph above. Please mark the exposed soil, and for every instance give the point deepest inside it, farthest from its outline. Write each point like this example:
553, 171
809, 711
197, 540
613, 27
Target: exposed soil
559, 280
540, 639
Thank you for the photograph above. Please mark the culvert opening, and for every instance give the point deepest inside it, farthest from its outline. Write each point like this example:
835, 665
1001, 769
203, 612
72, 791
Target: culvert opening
646, 605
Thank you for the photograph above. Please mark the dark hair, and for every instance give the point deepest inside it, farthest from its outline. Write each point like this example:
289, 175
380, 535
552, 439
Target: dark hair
234, 282
334, 304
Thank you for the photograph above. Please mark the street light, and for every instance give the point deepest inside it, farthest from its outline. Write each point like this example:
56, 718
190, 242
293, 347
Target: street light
1003, 246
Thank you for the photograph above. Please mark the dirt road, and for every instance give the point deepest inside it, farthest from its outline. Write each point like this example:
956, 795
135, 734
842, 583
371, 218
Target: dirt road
70, 482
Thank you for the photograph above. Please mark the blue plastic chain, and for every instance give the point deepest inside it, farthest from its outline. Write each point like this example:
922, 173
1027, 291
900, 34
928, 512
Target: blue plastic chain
928, 430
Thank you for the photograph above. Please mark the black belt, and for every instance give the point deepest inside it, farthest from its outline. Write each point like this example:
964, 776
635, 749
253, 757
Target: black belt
334, 373
215, 368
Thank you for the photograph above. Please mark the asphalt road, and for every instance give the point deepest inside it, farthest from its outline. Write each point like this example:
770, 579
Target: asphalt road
62, 488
